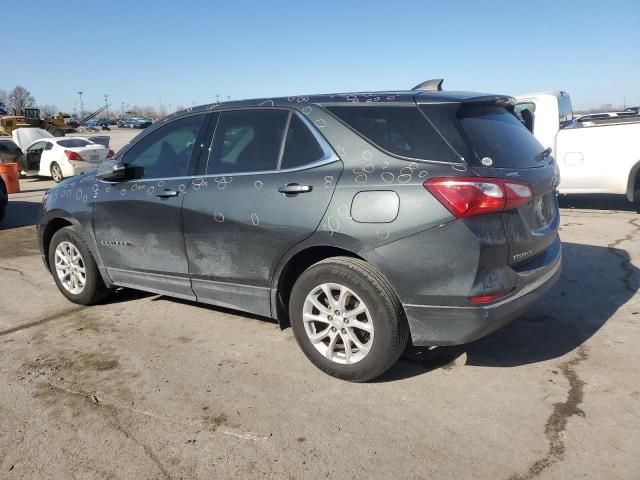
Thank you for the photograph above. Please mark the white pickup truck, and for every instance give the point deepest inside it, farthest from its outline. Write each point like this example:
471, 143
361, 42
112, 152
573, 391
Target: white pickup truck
595, 155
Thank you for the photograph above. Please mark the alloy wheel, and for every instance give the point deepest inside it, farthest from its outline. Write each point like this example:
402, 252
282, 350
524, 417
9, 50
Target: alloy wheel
338, 323
56, 173
70, 268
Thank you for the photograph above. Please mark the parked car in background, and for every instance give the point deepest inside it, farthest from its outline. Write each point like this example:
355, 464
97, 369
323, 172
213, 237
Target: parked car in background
58, 157
596, 153
143, 123
4, 199
359, 219
10, 153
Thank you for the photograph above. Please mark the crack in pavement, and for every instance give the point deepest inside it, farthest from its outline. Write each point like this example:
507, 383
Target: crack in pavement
22, 274
46, 319
557, 421
625, 260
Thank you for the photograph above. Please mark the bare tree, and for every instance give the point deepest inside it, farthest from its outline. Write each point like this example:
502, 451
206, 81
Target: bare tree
48, 111
4, 96
179, 108
19, 99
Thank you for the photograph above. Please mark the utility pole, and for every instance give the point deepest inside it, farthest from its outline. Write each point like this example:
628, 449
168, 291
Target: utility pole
81, 105
106, 102
122, 110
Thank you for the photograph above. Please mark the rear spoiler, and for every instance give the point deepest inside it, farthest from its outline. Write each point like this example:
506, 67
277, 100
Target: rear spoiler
500, 100
101, 140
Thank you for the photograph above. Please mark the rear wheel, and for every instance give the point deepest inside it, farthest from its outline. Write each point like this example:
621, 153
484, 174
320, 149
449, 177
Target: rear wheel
56, 173
347, 319
636, 193
74, 269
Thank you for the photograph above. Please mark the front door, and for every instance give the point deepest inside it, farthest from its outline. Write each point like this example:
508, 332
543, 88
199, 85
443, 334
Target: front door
268, 180
138, 221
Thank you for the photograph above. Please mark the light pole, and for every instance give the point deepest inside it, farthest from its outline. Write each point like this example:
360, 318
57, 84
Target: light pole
106, 102
80, 92
122, 110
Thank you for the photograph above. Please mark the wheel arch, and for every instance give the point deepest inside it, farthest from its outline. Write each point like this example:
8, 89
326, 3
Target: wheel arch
290, 270
49, 230
50, 226
634, 176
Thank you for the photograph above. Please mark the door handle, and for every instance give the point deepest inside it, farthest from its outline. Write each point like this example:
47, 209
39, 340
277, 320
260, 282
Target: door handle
292, 189
166, 193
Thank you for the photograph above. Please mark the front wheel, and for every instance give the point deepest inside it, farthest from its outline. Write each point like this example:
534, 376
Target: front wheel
347, 320
56, 173
74, 269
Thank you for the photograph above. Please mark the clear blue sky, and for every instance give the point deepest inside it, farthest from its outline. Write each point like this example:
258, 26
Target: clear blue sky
183, 51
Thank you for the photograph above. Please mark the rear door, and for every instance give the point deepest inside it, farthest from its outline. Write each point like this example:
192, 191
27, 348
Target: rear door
267, 180
500, 146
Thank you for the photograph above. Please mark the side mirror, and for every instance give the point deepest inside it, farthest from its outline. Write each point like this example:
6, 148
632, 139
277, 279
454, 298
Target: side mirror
114, 171
111, 171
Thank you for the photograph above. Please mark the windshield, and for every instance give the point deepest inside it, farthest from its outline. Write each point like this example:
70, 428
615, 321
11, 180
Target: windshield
498, 138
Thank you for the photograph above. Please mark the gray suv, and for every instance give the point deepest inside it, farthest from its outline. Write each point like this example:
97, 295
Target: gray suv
364, 221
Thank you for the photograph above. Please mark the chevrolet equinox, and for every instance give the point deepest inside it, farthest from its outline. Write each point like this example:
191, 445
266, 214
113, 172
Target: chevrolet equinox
364, 221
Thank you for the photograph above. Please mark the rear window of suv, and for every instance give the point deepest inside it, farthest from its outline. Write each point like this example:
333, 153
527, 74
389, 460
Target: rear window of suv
495, 133
402, 131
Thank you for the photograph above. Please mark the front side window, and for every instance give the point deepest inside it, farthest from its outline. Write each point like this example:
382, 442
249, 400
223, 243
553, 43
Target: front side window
402, 131
525, 113
37, 147
166, 151
247, 141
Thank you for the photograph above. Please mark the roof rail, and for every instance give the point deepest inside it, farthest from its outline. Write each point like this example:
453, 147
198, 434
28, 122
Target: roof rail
433, 85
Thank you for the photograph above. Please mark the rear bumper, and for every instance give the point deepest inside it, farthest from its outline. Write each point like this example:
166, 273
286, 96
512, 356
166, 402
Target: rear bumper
454, 325
71, 168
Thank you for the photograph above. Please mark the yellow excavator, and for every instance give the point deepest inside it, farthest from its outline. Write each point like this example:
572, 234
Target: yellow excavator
56, 125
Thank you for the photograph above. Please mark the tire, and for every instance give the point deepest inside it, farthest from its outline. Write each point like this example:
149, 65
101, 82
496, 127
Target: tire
56, 172
636, 194
94, 289
384, 319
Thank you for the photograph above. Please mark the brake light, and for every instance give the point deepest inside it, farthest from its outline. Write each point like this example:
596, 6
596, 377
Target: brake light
471, 196
71, 155
110, 154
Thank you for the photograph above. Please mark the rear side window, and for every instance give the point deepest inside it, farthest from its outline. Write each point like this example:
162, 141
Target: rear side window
495, 133
301, 147
73, 143
247, 141
402, 131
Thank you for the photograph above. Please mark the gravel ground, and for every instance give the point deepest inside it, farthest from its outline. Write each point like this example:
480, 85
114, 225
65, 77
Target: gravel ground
145, 386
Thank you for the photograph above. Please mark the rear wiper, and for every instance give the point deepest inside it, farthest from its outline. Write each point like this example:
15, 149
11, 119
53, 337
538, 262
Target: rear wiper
544, 154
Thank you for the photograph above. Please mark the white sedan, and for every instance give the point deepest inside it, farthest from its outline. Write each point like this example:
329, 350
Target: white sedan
59, 157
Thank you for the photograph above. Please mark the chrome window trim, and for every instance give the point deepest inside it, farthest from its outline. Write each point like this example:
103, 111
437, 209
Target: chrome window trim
328, 157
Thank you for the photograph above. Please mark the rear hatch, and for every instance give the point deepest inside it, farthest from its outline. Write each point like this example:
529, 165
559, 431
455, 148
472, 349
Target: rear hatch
496, 144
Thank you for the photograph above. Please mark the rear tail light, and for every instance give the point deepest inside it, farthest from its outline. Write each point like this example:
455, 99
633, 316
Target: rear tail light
110, 154
71, 155
471, 196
